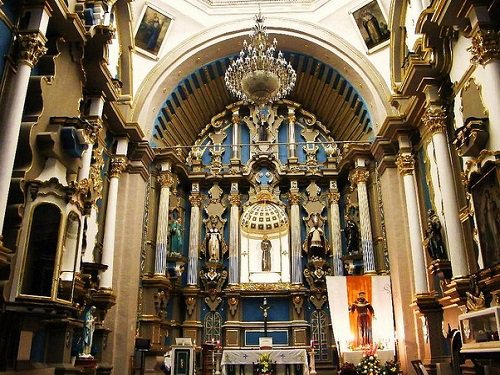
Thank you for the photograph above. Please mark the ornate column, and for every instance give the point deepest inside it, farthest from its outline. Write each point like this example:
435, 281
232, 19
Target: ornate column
359, 177
166, 180
406, 167
335, 238
117, 167
194, 235
234, 234
296, 245
434, 119
236, 136
292, 152
485, 51
90, 134
30, 46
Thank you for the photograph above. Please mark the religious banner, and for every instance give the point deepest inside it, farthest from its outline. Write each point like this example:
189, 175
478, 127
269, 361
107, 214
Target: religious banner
361, 312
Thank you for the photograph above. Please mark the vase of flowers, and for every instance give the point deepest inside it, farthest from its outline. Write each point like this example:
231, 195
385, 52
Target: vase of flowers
264, 364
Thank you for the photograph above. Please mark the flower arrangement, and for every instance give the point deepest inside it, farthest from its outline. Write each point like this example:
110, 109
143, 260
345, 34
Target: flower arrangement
369, 365
391, 368
265, 363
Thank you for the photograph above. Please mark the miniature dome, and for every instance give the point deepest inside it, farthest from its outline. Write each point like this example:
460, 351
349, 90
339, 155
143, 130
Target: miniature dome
264, 217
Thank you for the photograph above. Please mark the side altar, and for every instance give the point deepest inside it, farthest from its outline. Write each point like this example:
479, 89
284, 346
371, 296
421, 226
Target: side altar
280, 357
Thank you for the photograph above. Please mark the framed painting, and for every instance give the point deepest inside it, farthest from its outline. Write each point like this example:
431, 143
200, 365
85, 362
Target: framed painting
486, 197
371, 24
152, 30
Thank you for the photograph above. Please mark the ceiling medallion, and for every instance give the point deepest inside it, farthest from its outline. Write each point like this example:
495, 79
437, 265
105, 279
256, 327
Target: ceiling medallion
257, 75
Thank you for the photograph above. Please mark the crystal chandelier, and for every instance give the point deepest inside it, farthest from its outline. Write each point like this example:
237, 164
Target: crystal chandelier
257, 75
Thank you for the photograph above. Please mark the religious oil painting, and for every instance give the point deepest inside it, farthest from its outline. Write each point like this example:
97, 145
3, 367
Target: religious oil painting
152, 30
486, 196
372, 25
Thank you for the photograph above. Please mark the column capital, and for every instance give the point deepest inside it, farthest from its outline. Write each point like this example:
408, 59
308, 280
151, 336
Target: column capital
195, 200
92, 129
117, 166
485, 46
405, 163
291, 117
30, 47
333, 197
293, 198
234, 199
434, 119
359, 175
166, 179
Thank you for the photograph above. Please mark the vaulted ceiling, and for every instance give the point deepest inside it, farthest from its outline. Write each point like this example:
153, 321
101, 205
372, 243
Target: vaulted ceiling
320, 89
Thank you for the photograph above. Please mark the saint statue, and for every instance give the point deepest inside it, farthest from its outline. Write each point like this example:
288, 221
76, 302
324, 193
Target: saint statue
364, 322
213, 240
316, 239
352, 236
262, 132
265, 246
176, 236
88, 331
372, 27
434, 239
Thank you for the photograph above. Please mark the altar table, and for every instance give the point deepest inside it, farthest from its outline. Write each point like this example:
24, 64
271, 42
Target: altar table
250, 356
355, 356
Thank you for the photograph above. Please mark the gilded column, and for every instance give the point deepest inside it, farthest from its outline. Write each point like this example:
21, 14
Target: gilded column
194, 235
166, 180
292, 152
236, 135
117, 167
31, 47
335, 238
406, 167
234, 235
434, 119
296, 244
359, 177
90, 134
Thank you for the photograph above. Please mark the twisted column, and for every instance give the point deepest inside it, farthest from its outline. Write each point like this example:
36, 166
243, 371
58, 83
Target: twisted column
335, 238
406, 167
234, 238
434, 119
31, 47
296, 244
194, 237
117, 167
166, 180
359, 177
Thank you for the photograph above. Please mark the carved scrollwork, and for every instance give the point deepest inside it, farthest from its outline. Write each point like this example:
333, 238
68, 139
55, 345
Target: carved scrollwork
485, 46
434, 119
405, 163
118, 166
30, 47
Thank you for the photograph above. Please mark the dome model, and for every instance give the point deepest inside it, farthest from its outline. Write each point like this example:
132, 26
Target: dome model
264, 217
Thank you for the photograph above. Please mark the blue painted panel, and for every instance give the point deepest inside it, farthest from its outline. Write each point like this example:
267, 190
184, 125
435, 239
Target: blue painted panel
321, 155
283, 138
245, 139
226, 156
301, 155
279, 337
12, 9
207, 157
37, 353
278, 311
5, 42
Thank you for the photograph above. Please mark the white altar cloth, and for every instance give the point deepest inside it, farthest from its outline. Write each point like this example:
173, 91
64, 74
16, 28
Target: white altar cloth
280, 356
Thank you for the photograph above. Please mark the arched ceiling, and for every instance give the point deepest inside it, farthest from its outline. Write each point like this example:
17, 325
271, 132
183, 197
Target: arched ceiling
320, 89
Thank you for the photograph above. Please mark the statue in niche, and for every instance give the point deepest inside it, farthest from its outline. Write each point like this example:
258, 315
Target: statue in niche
316, 239
352, 235
213, 239
262, 132
266, 246
88, 331
176, 231
433, 237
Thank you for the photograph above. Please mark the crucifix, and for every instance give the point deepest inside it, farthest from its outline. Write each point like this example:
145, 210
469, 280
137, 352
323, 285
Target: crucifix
265, 307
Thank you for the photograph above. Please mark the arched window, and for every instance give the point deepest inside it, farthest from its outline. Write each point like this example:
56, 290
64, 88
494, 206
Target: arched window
41, 251
213, 326
319, 333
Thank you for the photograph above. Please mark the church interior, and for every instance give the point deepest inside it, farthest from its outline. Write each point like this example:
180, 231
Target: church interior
234, 187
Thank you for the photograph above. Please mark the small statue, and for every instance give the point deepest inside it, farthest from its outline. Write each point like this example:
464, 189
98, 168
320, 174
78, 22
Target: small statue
475, 296
316, 239
434, 239
88, 332
266, 246
352, 236
262, 132
176, 236
213, 240
364, 321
